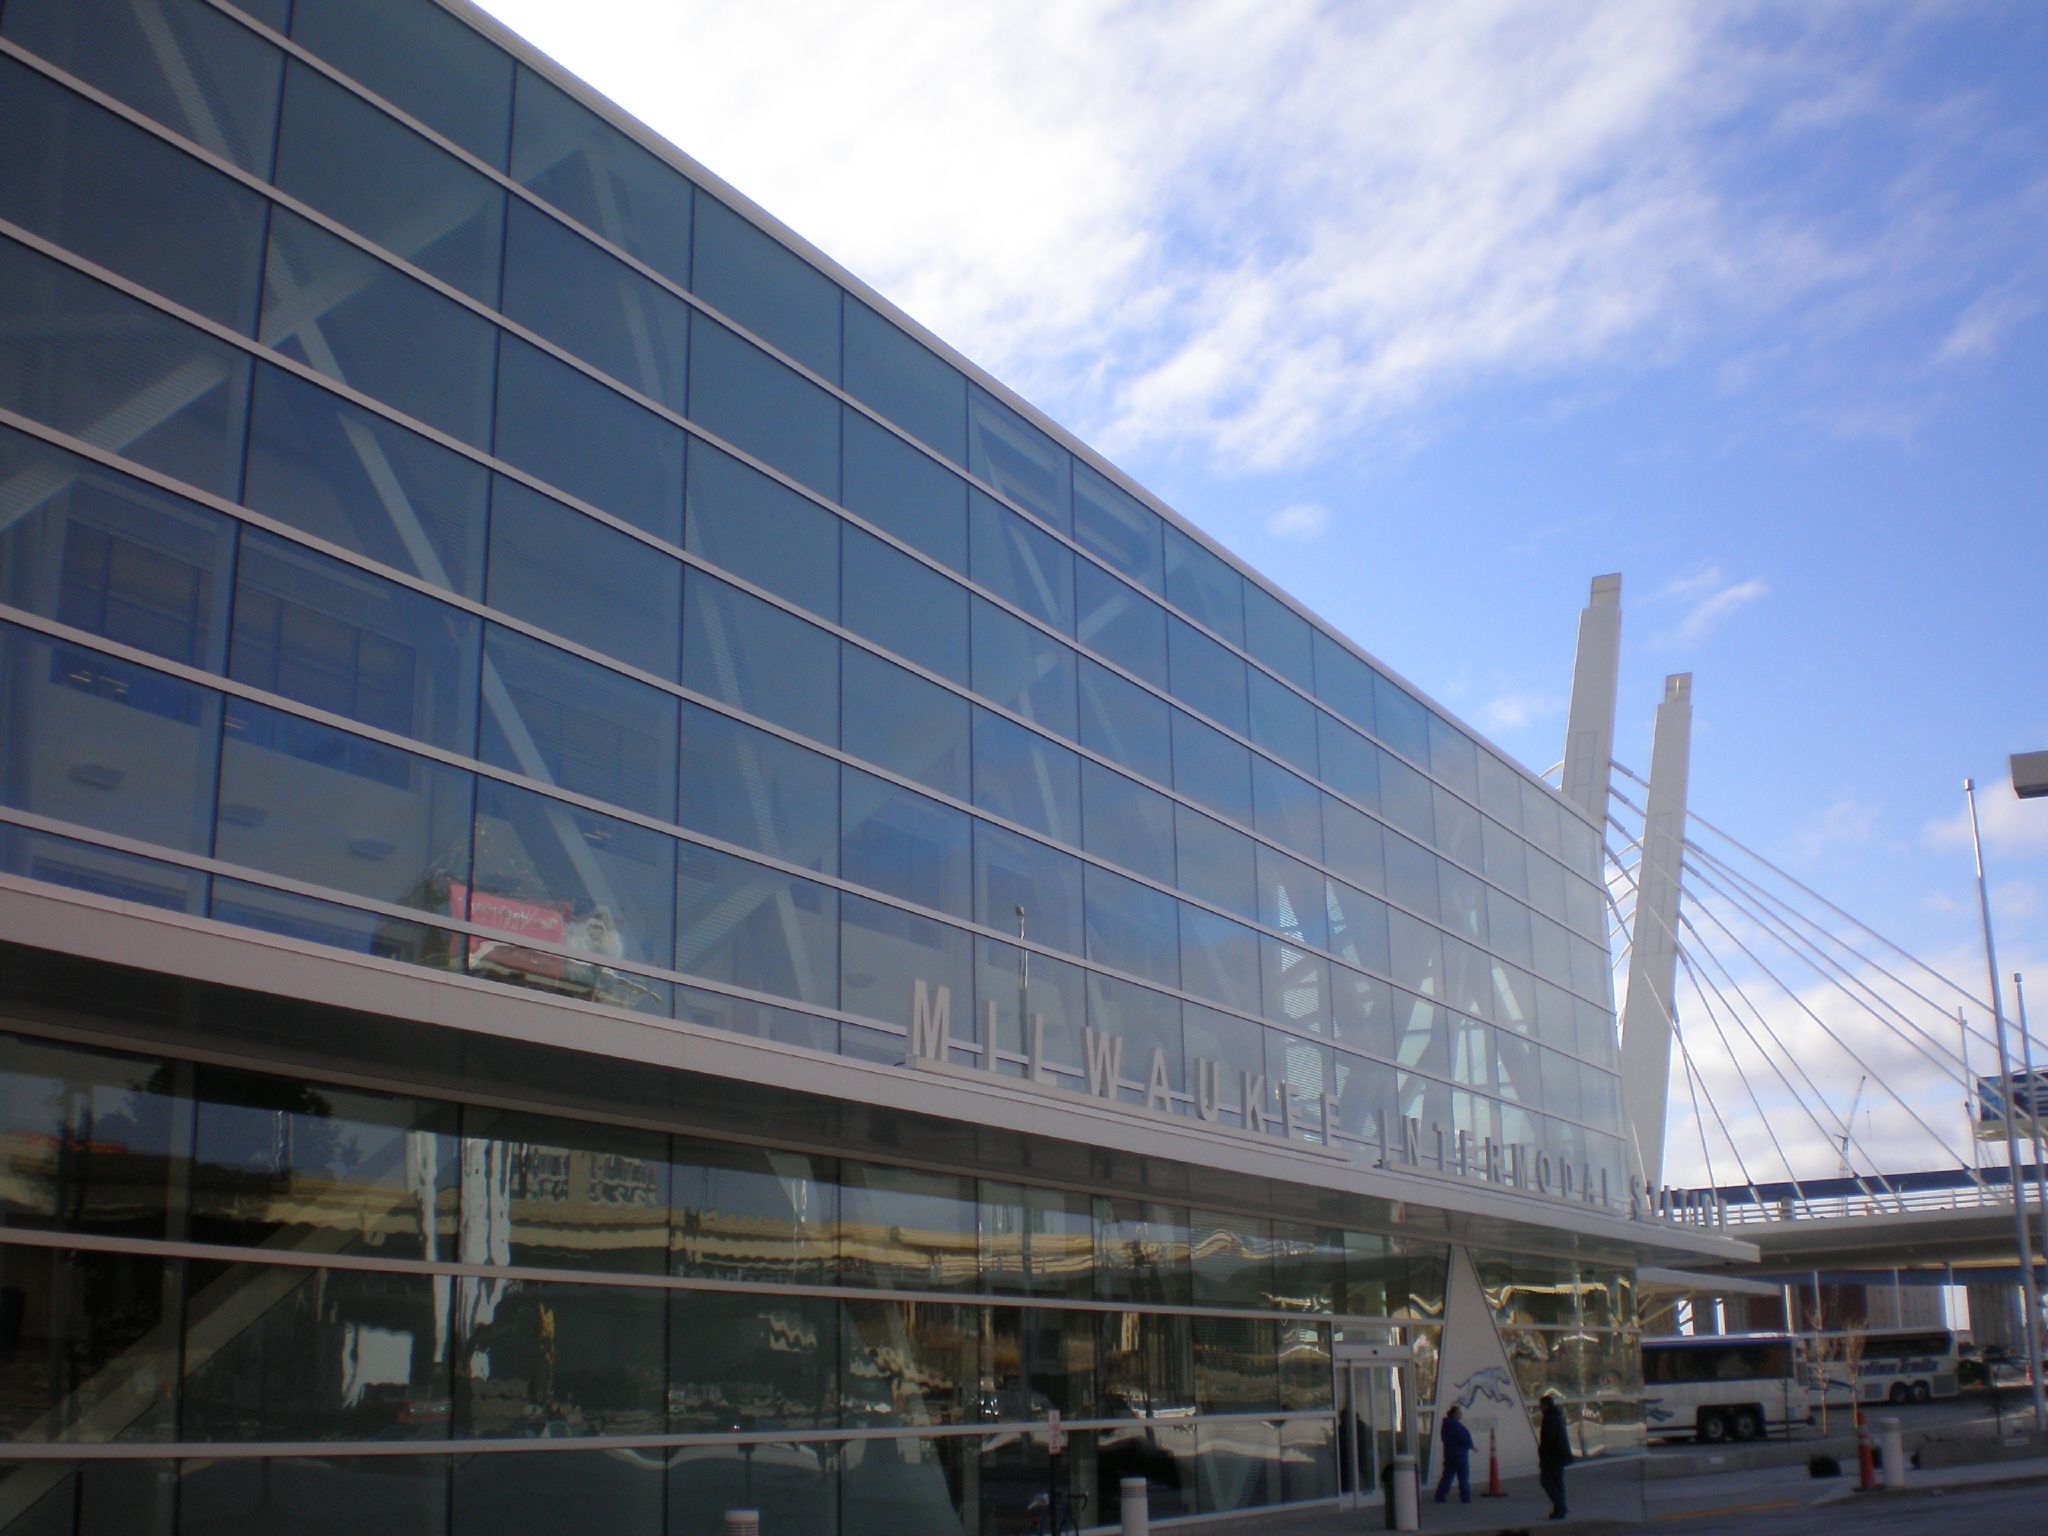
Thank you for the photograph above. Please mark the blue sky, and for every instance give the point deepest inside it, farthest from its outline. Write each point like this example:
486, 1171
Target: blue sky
1433, 311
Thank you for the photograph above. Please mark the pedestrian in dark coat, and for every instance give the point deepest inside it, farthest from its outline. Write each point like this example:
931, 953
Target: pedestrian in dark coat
1553, 1454
1457, 1441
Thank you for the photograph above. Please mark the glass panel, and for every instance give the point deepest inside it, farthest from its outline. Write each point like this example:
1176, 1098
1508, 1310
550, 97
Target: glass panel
1147, 1024
421, 60
898, 842
1052, 995
1203, 586
1344, 682
104, 744
1278, 636
90, 1358
1021, 776
562, 1194
1122, 530
1231, 1258
752, 1362
586, 581
1308, 1276
1362, 1011
288, 1165
1022, 884
1296, 986
1500, 790
754, 1214
758, 928
1236, 1372
1349, 763
1023, 669
554, 717
1287, 808
1402, 723
1142, 1255
1022, 564
571, 431
561, 285
1365, 1101
1457, 828
572, 879
1354, 845
1205, 676
87, 867
109, 369
1227, 1062
1405, 796
324, 922
1124, 723
744, 786
1219, 959
1007, 452
547, 1360
1211, 768
763, 406
755, 657
346, 158
795, 1486
1358, 927
607, 183
766, 287
1309, 1450
904, 1362
102, 552
884, 954
904, 1230
1162, 1454
177, 62
278, 1353
905, 606
904, 492
91, 1498
1411, 874
762, 531
339, 639
128, 201
523, 1494
1037, 1242
85, 1140
1128, 824
1283, 722
763, 1021
905, 382
903, 723
1292, 898
1132, 927
1034, 1360
1453, 758
1504, 858
1125, 626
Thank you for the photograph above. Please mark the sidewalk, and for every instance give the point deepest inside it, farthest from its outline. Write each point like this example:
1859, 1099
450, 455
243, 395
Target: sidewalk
1606, 1496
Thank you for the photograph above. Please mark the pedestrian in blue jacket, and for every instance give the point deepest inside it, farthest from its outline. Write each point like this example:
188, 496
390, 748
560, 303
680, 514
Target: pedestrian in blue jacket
1457, 1456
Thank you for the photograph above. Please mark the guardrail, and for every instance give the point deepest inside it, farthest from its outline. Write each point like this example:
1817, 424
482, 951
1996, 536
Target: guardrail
1735, 1213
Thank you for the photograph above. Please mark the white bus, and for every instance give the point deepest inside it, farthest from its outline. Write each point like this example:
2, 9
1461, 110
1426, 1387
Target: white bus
1735, 1386
1899, 1365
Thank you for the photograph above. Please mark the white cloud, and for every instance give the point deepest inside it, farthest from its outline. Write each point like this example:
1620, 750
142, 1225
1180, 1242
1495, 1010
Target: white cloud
1303, 520
1708, 598
1982, 328
2009, 824
1846, 820
1514, 709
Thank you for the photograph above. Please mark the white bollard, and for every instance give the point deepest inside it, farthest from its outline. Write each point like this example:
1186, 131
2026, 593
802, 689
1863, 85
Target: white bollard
743, 1522
1404, 1496
1894, 1444
1136, 1504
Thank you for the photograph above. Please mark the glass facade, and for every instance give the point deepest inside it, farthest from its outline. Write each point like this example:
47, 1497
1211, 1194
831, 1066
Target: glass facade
509, 559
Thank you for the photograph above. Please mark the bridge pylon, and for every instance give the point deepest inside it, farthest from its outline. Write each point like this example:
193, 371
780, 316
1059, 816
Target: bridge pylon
1651, 1004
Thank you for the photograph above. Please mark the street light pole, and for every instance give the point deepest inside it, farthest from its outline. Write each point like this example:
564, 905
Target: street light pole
2012, 1154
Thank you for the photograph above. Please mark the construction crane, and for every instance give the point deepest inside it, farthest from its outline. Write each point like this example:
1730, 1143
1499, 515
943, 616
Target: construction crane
1850, 1119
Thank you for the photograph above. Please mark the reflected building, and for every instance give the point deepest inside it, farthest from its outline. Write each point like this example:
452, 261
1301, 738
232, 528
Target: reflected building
602, 841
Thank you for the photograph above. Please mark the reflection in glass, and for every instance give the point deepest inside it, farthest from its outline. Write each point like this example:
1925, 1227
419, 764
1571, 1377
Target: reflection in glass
1023, 669
904, 1363
315, 1496
904, 492
746, 1362
1021, 564
555, 1361
92, 1358
1024, 778
794, 1485
903, 605
1124, 626
900, 1229
1115, 525
1146, 1365
1007, 452
905, 382
1125, 823
751, 926
1124, 723
1203, 586
755, 1214
1033, 1361
899, 842
424, 62
85, 1140
1278, 636
745, 786
1141, 1254
762, 531
756, 657
1023, 885
1240, 1464
562, 1194
1036, 1242
901, 722
527, 1494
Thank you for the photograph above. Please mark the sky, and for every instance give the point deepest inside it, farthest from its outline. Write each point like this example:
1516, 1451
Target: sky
1433, 311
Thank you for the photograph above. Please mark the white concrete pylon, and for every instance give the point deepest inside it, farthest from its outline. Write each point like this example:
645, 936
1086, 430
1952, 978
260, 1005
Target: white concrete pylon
1589, 726
1650, 1005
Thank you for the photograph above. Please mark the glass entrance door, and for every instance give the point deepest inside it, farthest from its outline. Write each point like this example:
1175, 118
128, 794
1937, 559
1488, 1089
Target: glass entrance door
1374, 1424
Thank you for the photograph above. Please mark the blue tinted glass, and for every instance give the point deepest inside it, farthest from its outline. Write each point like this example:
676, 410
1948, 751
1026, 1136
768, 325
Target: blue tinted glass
763, 406
1125, 823
1411, 875
756, 280
592, 442
1405, 798
884, 953
1348, 762
1212, 768
1021, 564
1352, 845
1120, 624
326, 922
744, 786
594, 305
1292, 898
320, 805
346, 314
1205, 676
585, 580
1125, 723
910, 608
1344, 682
757, 928
1217, 863
1361, 1012
1287, 808
1023, 669
1013, 874
329, 635
106, 368
1219, 959
1296, 988
1237, 1047
421, 60
558, 718
1457, 828
744, 1016
1278, 636
1132, 927
1054, 995
898, 721
1113, 524
1145, 1021
178, 62
604, 181
126, 200
104, 871
1453, 758
905, 492
350, 161
904, 844
99, 742
755, 657
102, 552
558, 872
763, 531
348, 476
1007, 452
1283, 722
1403, 724
1024, 778
1203, 586
902, 380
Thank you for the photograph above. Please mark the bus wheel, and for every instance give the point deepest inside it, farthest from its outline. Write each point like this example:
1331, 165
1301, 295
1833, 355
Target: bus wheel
1748, 1424
1713, 1427
1922, 1393
1898, 1393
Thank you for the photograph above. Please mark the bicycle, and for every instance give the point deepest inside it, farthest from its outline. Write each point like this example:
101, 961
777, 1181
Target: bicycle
1063, 1513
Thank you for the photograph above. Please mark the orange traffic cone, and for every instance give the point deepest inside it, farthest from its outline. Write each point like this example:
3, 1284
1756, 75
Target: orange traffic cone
1493, 1488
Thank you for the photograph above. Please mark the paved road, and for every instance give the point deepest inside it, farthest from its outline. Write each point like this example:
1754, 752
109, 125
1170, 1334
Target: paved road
2021, 1511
